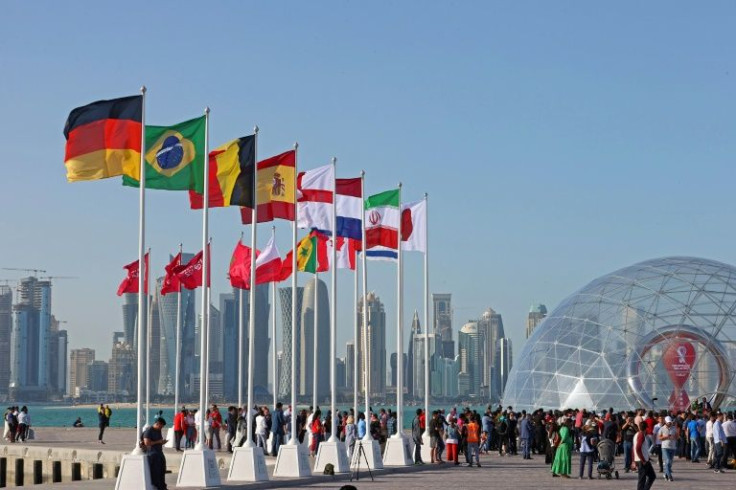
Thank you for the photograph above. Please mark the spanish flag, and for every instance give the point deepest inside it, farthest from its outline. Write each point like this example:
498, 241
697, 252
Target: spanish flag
232, 166
274, 190
103, 139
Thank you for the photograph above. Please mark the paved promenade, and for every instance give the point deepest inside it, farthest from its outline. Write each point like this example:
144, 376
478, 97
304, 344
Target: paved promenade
497, 472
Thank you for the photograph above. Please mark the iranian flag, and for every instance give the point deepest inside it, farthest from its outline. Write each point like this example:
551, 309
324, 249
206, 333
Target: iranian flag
382, 225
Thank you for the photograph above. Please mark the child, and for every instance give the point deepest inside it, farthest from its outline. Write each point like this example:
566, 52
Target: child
484, 442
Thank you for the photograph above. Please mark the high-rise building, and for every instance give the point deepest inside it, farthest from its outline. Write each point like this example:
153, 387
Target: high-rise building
443, 324
340, 373
6, 327
504, 359
122, 371
315, 290
130, 315
29, 354
416, 329
470, 350
289, 331
79, 362
372, 346
490, 329
418, 368
153, 343
537, 313
349, 364
229, 311
394, 370
97, 373
167, 313
58, 349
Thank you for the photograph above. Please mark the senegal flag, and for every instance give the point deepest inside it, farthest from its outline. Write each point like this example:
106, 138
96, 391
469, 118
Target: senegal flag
311, 256
174, 157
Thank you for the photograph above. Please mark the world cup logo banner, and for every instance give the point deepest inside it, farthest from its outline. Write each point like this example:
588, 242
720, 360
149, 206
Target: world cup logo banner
678, 360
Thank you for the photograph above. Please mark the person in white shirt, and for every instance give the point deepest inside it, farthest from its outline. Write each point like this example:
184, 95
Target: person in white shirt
642, 445
719, 441
656, 445
729, 428
709, 439
261, 430
668, 437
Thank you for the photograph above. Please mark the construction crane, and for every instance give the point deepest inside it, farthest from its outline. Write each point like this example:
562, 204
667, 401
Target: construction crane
58, 277
35, 271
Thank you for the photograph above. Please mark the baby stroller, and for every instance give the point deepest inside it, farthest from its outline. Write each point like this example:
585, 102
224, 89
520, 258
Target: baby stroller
606, 450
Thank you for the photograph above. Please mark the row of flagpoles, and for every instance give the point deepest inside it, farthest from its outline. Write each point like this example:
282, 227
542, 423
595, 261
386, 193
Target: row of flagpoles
110, 138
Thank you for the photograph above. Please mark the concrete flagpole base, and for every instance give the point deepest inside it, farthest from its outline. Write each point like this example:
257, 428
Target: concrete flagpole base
269, 443
426, 450
332, 452
198, 468
372, 451
247, 464
134, 473
292, 462
169, 438
397, 451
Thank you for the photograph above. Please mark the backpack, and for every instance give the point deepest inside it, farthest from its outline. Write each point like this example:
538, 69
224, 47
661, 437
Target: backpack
503, 427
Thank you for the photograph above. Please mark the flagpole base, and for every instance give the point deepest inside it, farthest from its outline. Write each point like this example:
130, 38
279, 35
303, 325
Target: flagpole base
426, 450
247, 464
269, 443
372, 451
169, 438
292, 462
134, 473
332, 452
397, 451
198, 468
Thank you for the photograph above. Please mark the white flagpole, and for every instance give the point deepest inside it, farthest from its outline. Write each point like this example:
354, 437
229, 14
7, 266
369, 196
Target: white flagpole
149, 337
273, 330
252, 305
294, 440
241, 334
366, 354
356, 347
333, 308
209, 303
178, 343
426, 315
315, 319
205, 306
141, 264
399, 333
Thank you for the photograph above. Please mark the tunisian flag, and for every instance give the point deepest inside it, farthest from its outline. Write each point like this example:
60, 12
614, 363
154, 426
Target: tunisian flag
171, 282
268, 265
130, 283
190, 274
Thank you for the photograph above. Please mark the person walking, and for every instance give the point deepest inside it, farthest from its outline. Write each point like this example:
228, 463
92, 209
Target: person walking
562, 465
277, 427
587, 445
644, 468
24, 422
693, 438
154, 443
473, 438
102, 422
416, 435
180, 421
719, 442
628, 431
668, 438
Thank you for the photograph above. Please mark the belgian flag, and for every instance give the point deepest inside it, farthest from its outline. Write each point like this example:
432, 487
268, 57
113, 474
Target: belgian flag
103, 139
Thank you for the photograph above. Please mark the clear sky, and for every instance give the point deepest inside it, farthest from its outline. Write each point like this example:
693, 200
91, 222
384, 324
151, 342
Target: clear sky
558, 141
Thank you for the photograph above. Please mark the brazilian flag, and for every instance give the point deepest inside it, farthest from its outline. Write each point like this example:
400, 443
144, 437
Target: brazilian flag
174, 157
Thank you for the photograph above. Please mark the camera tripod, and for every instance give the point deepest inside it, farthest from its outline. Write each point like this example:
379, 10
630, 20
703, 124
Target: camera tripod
355, 469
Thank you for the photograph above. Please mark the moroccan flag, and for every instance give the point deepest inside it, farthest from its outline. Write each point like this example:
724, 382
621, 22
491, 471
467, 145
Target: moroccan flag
274, 189
130, 283
382, 225
174, 157
232, 166
190, 274
103, 139
311, 256
171, 282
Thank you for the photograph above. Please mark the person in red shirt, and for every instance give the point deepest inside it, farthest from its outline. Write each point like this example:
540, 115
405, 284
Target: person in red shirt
180, 426
215, 424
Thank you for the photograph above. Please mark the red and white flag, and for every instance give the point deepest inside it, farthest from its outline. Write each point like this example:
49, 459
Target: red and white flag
130, 283
314, 198
414, 226
268, 265
346, 253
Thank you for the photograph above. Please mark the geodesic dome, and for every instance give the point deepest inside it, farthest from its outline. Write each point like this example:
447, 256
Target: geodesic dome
653, 335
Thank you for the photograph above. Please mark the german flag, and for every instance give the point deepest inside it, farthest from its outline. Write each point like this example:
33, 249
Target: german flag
103, 139
232, 166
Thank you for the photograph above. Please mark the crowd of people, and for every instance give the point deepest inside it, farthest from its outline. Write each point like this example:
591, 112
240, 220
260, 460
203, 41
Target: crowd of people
17, 424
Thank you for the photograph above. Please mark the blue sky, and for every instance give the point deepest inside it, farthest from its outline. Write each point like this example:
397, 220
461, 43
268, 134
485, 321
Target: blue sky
558, 141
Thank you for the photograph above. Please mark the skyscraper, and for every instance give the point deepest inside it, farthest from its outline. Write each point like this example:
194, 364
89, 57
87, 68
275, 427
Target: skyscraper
418, 367
130, 314
372, 346
97, 373
349, 364
307, 360
443, 324
415, 330
490, 328
6, 327
122, 371
537, 313
504, 356
79, 361
29, 354
289, 331
470, 350
58, 349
